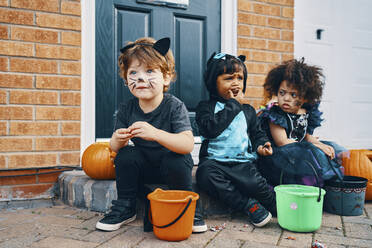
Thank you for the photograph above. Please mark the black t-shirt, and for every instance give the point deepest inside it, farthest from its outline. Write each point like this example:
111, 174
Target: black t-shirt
171, 116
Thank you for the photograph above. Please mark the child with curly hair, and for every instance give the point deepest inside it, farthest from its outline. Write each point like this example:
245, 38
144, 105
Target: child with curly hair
290, 120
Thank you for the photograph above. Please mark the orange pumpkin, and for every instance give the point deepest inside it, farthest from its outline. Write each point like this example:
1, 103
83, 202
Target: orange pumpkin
359, 164
98, 161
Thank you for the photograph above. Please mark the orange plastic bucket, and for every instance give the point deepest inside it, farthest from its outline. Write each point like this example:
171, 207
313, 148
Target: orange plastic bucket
172, 213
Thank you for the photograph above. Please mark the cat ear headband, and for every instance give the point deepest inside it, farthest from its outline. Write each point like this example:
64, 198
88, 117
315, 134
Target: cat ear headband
161, 46
217, 56
223, 56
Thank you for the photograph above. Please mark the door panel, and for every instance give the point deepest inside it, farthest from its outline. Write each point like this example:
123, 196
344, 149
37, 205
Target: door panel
194, 32
345, 53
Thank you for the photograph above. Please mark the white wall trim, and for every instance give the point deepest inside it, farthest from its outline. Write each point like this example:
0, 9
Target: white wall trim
229, 24
88, 100
88, 129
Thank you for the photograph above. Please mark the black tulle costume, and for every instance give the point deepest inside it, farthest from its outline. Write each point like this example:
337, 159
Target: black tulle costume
300, 162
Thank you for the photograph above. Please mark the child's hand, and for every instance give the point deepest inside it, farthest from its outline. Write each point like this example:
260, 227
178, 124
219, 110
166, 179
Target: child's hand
144, 130
120, 138
265, 150
328, 150
239, 97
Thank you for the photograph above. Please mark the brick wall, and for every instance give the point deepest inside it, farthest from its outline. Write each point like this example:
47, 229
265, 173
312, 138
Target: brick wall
40, 51
265, 37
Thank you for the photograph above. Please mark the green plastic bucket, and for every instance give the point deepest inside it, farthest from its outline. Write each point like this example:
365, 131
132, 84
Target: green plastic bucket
299, 207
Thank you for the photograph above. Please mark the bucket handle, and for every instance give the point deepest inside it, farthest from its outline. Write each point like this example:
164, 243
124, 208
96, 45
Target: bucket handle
316, 177
175, 220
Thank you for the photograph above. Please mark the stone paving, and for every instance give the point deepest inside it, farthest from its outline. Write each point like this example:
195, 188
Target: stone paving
62, 226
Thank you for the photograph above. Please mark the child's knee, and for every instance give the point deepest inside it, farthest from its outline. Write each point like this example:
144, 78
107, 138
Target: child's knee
127, 156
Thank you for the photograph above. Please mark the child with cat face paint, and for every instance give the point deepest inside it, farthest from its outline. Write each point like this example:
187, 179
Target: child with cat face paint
295, 89
157, 123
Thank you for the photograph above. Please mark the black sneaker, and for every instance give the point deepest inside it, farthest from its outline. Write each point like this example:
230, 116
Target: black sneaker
199, 225
258, 215
122, 212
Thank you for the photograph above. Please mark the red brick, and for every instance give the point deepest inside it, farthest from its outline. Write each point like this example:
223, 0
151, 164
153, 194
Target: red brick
71, 158
280, 23
17, 172
43, 5
51, 177
72, 8
15, 144
252, 43
15, 113
70, 98
288, 12
16, 48
2, 164
280, 46
256, 68
16, 16
254, 91
3, 97
3, 64
33, 128
3, 3
34, 35
244, 5
6, 192
18, 180
71, 38
287, 35
263, 56
244, 30
70, 68
4, 32
269, 33
33, 65
32, 190
282, 2
3, 128
15, 81
286, 56
57, 144
58, 21
58, 52
71, 128
61, 83
255, 103
266, 9
246, 53
257, 80
245, 18
32, 160
57, 113
33, 97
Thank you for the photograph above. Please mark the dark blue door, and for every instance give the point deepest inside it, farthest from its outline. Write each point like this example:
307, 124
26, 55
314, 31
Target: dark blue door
194, 32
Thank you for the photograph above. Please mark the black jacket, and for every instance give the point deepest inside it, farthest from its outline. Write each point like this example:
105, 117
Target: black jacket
212, 124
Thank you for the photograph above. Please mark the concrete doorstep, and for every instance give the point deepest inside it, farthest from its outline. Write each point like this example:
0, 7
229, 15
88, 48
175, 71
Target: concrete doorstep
76, 189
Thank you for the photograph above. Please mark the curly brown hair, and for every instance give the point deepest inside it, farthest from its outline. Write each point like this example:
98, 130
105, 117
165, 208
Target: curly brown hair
306, 79
147, 55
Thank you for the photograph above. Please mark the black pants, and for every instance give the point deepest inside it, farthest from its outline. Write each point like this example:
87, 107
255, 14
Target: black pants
235, 183
135, 166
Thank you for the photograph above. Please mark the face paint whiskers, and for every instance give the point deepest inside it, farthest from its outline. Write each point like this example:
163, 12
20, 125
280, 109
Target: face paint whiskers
132, 81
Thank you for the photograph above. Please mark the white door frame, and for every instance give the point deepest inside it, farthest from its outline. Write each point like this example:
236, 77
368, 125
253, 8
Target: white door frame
87, 124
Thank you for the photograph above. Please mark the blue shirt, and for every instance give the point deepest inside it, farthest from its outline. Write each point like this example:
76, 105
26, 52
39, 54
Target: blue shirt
233, 143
